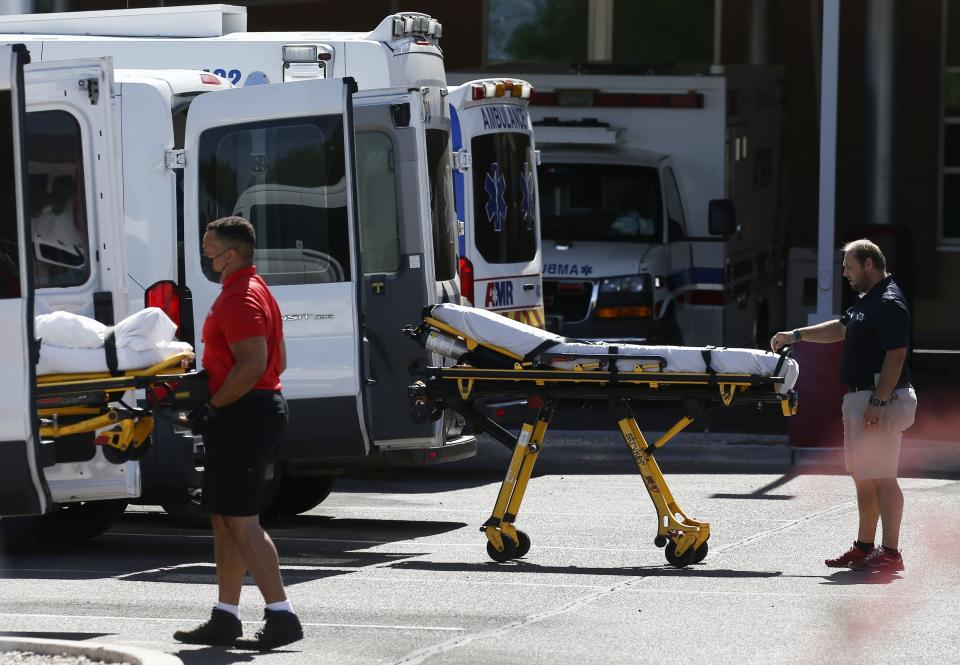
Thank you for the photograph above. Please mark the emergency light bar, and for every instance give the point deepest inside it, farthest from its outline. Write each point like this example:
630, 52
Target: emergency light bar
670, 100
498, 88
416, 24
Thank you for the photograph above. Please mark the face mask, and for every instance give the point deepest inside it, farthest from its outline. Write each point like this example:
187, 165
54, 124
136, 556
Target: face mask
206, 266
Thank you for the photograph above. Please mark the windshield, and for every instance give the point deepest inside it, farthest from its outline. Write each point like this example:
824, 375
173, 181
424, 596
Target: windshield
600, 202
503, 198
441, 204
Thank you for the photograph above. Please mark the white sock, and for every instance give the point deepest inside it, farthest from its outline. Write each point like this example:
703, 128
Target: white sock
232, 609
280, 606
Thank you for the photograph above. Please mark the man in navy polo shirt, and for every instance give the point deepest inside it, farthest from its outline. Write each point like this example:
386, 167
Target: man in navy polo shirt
880, 403
244, 355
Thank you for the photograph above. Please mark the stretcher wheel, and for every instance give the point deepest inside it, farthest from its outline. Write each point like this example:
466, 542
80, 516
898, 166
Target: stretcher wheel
509, 550
138, 452
681, 561
700, 553
117, 456
523, 546
660, 541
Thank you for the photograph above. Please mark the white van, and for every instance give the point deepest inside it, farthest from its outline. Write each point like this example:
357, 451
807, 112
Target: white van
496, 198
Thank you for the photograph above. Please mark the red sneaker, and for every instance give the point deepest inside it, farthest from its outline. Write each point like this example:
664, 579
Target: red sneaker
880, 560
849, 557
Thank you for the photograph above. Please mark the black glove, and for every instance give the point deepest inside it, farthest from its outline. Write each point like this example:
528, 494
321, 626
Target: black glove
202, 417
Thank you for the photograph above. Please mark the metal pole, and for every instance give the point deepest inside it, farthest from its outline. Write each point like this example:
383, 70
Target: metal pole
881, 51
826, 252
717, 31
759, 32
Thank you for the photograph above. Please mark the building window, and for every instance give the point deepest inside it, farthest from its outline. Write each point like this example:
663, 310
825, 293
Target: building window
653, 33
950, 145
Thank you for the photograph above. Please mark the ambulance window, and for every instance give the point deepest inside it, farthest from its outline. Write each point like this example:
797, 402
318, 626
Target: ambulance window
601, 202
377, 193
441, 204
9, 234
58, 212
504, 189
676, 227
288, 178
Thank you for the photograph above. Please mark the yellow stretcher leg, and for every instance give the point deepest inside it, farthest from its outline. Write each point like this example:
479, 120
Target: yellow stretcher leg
685, 538
504, 540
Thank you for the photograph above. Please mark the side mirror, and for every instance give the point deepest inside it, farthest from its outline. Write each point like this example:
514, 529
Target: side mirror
722, 217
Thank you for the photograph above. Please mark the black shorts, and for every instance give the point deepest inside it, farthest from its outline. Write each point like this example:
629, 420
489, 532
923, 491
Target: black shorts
239, 445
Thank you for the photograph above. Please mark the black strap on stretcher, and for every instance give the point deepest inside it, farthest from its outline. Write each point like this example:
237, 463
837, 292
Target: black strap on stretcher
110, 352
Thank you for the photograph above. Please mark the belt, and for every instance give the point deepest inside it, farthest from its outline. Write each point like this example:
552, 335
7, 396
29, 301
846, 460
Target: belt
856, 389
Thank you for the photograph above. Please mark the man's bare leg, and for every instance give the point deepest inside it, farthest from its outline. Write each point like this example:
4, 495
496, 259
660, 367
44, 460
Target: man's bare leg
231, 568
259, 554
869, 509
890, 501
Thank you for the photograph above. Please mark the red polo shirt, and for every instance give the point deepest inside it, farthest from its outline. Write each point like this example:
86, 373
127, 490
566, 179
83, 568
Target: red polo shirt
245, 308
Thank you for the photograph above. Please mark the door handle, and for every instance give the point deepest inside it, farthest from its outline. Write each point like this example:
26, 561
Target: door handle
528, 287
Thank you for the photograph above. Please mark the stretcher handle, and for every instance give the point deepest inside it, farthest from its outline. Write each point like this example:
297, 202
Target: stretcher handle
785, 352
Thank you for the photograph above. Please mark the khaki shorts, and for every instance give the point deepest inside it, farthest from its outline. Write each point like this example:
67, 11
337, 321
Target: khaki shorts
875, 453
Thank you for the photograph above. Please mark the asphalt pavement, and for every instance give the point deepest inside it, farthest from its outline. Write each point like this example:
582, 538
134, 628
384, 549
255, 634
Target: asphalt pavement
396, 572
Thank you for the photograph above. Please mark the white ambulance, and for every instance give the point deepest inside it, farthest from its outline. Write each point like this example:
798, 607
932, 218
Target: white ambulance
660, 204
187, 158
495, 196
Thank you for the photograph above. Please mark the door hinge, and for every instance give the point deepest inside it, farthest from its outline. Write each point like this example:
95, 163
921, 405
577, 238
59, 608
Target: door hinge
92, 86
462, 160
174, 159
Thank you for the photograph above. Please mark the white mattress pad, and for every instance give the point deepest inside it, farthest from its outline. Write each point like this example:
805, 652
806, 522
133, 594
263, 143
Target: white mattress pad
556, 351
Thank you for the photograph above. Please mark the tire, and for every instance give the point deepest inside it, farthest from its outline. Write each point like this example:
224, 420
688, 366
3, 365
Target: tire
670, 330
509, 550
76, 522
298, 495
190, 512
681, 561
523, 544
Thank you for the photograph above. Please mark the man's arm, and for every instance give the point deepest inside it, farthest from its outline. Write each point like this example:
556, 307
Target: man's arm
251, 362
890, 372
822, 333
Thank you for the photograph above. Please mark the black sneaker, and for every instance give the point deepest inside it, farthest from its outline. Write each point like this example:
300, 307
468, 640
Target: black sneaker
222, 629
279, 628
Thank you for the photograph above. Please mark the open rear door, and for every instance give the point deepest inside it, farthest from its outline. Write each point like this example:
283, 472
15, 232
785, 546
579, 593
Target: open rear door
281, 156
23, 490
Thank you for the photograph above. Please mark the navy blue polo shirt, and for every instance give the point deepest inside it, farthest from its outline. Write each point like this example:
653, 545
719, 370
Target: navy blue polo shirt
880, 321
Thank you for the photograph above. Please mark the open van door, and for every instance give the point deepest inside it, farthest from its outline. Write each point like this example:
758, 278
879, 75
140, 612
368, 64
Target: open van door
23, 489
281, 156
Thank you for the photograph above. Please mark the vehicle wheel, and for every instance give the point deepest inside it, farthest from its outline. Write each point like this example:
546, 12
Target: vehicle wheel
660, 541
670, 330
75, 522
523, 546
190, 513
509, 550
700, 553
300, 495
681, 561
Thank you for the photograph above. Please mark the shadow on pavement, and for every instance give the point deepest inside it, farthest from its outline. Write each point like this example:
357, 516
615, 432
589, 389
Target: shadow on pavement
762, 492
526, 567
213, 656
49, 635
857, 577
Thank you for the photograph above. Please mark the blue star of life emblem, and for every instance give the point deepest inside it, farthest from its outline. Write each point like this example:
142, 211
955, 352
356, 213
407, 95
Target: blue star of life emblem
496, 187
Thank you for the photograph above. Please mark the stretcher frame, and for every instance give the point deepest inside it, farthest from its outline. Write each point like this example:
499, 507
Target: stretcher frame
683, 538
69, 404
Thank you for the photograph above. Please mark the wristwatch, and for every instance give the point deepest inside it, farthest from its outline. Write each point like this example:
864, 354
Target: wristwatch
796, 335
876, 401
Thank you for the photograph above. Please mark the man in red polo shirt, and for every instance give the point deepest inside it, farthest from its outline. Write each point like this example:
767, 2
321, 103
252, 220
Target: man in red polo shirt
244, 355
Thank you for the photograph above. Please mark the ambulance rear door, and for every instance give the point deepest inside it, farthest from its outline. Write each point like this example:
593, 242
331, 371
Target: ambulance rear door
397, 257
23, 490
281, 156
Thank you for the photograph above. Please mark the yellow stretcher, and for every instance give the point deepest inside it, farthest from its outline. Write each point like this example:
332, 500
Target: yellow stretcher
504, 374
70, 404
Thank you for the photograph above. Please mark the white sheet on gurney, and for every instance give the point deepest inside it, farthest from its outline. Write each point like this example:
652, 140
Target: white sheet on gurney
519, 338
73, 344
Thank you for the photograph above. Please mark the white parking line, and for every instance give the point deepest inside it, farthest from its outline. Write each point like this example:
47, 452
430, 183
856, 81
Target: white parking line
182, 620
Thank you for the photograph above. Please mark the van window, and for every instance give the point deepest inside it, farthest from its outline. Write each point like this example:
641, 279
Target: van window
602, 202
503, 197
9, 233
377, 192
441, 204
287, 177
58, 211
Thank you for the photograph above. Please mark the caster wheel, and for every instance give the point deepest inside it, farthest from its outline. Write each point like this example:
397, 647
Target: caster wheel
524, 545
681, 561
141, 451
660, 541
509, 551
700, 553
117, 456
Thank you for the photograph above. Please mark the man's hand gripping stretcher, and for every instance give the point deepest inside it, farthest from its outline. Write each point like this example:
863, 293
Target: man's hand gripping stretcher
497, 358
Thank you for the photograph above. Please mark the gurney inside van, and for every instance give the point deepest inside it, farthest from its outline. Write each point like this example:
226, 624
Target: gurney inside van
497, 358
86, 370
